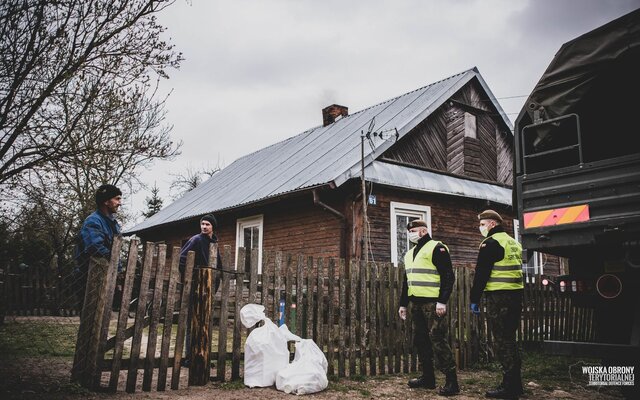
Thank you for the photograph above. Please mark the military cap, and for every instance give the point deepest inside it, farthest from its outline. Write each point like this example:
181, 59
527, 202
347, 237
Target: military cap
490, 214
416, 223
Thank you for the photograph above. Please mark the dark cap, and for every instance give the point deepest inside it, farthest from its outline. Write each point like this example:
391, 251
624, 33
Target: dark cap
416, 223
106, 192
211, 219
490, 214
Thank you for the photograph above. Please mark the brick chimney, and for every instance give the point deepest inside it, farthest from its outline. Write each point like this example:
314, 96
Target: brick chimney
332, 113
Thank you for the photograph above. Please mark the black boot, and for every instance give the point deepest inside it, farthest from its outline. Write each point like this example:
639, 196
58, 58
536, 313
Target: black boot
451, 385
505, 390
427, 380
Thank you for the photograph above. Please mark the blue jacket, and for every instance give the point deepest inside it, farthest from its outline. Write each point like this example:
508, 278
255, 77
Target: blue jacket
95, 238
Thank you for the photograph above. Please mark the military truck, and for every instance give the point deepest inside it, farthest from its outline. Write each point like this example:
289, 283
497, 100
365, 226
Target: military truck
577, 180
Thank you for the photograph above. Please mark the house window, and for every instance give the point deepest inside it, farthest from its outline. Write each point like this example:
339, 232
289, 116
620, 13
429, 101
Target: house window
469, 125
401, 215
249, 232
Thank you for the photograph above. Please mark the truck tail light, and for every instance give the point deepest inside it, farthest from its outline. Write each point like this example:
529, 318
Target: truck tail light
563, 286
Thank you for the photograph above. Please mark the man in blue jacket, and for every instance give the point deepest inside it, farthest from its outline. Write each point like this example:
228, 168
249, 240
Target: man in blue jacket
96, 235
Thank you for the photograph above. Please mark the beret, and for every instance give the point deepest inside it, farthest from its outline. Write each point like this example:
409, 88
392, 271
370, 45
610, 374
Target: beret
416, 223
490, 214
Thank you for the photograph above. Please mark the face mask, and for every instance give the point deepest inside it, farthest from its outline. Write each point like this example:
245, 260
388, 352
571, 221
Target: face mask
484, 231
414, 237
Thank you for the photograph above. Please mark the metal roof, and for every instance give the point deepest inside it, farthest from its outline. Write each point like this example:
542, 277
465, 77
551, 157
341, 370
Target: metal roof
315, 157
432, 182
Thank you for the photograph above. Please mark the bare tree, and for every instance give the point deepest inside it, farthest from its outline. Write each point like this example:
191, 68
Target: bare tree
63, 60
79, 107
191, 178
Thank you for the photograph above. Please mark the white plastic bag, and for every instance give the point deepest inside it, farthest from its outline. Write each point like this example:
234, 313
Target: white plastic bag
251, 314
308, 371
265, 351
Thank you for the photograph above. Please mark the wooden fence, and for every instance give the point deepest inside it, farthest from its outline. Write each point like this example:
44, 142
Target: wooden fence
38, 291
350, 311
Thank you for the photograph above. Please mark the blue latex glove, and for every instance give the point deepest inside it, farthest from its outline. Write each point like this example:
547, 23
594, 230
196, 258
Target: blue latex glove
475, 309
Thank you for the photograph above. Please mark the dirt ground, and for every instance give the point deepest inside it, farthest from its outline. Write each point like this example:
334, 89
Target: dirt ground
32, 378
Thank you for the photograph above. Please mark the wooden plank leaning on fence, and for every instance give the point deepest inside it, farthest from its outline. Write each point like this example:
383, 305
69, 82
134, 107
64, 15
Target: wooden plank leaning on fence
97, 301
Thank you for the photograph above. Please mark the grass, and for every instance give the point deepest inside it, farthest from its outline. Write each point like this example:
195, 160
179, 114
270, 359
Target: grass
37, 339
549, 372
44, 340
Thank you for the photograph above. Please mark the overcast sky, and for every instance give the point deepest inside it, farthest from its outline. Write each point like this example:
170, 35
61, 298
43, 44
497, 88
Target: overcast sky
259, 71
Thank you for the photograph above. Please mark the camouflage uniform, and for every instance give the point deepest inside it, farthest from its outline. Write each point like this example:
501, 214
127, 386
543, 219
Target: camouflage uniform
498, 276
434, 343
503, 316
428, 282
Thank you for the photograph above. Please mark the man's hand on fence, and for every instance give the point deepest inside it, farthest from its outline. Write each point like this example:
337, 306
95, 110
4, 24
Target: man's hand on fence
441, 309
475, 309
402, 312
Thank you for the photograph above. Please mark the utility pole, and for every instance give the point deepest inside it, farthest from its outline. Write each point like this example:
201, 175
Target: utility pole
365, 224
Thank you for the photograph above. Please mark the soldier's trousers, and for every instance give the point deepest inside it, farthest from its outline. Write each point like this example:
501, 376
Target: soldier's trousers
430, 337
503, 315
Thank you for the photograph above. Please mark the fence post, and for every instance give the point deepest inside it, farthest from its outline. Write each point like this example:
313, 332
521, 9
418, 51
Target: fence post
202, 312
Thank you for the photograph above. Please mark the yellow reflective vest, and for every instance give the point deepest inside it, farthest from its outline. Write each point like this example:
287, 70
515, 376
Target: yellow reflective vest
423, 279
506, 273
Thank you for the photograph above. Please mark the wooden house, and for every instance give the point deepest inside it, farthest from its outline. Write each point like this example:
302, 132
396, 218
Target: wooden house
441, 153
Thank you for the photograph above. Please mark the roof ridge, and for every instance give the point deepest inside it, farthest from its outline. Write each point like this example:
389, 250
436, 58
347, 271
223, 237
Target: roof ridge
413, 91
360, 111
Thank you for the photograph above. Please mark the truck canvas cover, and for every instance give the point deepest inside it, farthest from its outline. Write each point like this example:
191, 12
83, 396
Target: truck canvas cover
577, 162
576, 66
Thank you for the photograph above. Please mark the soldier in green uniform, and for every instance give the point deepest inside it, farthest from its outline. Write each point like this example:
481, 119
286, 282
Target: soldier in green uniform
428, 283
499, 276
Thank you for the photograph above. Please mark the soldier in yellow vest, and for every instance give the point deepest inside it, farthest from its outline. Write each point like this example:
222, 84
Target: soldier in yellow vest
428, 283
499, 276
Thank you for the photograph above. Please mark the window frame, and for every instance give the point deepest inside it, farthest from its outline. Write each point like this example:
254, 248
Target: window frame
410, 210
250, 222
